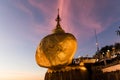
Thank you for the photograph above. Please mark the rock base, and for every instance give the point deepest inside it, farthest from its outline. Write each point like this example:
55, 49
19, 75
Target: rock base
68, 73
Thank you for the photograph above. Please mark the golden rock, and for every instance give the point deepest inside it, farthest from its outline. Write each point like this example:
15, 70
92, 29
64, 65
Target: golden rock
57, 49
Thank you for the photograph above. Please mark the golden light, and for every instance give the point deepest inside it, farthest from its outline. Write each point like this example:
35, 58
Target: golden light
81, 64
56, 49
83, 68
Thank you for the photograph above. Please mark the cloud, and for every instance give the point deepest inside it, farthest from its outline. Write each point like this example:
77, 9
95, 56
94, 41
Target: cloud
82, 17
23, 8
41, 14
79, 17
40, 5
49, 10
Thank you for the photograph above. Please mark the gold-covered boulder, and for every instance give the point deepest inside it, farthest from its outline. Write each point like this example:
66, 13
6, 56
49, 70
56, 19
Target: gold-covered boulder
57, 49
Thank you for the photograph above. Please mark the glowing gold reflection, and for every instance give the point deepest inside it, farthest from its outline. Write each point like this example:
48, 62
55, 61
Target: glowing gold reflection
56, 50
83, 68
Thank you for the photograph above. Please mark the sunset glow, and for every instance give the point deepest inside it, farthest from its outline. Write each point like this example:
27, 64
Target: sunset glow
23, 23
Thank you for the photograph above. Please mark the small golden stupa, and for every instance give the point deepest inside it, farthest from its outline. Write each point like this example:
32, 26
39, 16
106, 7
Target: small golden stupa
57, 49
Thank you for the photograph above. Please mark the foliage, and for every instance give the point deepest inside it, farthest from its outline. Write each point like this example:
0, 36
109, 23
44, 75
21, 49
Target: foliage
104, 49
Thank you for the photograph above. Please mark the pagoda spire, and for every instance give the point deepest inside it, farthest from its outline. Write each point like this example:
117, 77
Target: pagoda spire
58, 19
58, 28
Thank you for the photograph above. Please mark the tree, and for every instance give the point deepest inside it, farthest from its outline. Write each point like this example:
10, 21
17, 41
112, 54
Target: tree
118, 32
117, 46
